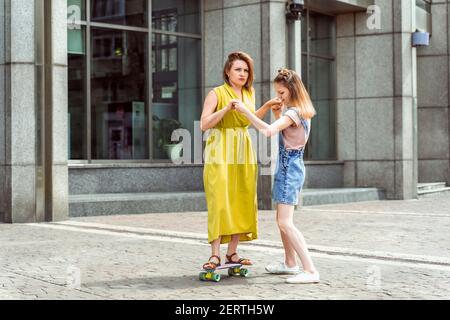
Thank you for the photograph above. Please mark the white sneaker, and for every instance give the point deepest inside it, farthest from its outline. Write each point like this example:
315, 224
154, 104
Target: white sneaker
305, 277
281, 268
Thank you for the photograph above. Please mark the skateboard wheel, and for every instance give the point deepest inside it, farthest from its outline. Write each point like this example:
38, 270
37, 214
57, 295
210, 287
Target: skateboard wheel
243, 272
216, 277
202, 276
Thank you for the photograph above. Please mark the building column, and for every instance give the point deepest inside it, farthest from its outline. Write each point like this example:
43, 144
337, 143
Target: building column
33, 111
405, 101
376, 99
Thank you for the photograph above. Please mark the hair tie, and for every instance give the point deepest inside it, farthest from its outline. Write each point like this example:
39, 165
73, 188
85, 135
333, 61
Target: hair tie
285, 74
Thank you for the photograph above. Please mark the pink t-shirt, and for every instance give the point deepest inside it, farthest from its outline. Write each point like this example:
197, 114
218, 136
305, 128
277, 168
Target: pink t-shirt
294, 137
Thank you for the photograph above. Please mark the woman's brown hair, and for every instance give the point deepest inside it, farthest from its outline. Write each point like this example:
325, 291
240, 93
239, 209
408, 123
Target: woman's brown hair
239, 55
299, 95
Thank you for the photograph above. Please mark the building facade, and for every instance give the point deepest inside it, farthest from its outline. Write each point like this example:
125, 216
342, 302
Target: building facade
91, 91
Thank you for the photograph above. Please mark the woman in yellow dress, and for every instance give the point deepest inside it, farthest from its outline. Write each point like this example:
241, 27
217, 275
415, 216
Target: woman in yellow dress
230, 171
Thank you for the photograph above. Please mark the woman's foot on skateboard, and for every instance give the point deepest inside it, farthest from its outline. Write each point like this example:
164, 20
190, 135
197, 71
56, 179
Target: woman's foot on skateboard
234, 258
212, 264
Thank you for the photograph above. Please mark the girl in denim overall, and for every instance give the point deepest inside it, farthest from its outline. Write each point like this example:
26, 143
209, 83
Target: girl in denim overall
293, 125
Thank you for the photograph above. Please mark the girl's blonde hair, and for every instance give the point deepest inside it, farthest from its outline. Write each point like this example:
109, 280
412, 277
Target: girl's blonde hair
300, 98
239, 55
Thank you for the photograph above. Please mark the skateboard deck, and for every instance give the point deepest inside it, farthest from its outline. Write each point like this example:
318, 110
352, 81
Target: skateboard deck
234, 269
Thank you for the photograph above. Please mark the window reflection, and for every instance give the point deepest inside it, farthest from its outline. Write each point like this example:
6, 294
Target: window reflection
118, 94
123, 12
319, 75
176, 90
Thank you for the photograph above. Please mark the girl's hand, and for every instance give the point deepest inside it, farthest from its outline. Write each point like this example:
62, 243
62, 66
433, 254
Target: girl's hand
275, 102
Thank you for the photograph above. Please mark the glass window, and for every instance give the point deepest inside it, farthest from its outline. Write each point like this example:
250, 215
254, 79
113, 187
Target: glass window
321, 33
177, 15
77, 132
176, 90
424, 4
76, 10
123, 12
115, 80
319, 75
118, 94
321, 88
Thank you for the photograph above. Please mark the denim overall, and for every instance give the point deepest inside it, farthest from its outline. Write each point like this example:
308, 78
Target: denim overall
289, 173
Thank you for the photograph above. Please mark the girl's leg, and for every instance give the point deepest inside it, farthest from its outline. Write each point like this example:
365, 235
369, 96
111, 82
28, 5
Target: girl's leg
293, 235
289, 252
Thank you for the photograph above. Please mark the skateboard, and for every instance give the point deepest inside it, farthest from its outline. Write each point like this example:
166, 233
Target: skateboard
234, 269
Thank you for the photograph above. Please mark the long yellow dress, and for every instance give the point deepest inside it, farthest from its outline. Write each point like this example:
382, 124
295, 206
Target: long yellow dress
230, 172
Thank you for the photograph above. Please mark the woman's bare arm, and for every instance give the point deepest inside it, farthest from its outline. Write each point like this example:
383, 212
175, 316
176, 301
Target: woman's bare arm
210, 118
267, 129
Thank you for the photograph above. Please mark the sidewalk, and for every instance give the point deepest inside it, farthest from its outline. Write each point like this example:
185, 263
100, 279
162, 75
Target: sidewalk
370, 250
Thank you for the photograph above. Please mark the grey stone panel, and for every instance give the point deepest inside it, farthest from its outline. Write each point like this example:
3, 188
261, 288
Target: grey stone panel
266, 71
386, 25
213, 4
320, 197
349, 173
234, 3
345, 25
242, 32
434, 171
345, 67
403, 68
214, 54
59, 37
378, 174
405, 184
264, 187
374, 66
432, 81
403, 128
2, 115
22, 121
346, 129
258, 93
119, 180
7, 193
2, 190
22, 31
324, 175
137, 203
2, 33
22, 194
433, 132
402, 15
439, 33
277, 43
60, 192
59, 121
375, 132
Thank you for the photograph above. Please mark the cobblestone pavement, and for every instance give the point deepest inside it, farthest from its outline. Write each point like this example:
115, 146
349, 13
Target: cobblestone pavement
371, 250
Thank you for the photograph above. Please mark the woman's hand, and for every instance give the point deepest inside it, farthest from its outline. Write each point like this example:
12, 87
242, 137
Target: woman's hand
231, 104
239, 106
